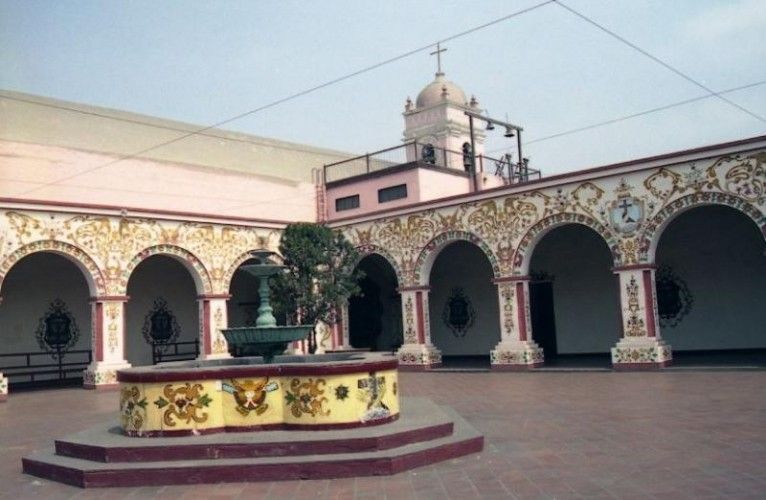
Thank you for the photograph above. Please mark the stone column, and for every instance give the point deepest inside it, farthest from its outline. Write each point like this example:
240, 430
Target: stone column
212, 319
516, 350
107, 342
3, 388
640, 346
340, 340
417, 352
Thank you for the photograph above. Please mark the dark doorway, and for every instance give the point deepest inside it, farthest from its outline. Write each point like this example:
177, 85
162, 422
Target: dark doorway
543, 317
374, 316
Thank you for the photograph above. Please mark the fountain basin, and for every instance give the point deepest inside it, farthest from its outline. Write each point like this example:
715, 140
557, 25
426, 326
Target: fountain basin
329, 391
265, 341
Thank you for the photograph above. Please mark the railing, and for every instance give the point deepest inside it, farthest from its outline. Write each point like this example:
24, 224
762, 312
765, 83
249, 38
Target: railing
512, 173
175, 351
24, 367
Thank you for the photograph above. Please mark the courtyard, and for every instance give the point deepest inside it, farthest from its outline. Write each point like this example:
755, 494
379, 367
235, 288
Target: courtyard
673, 434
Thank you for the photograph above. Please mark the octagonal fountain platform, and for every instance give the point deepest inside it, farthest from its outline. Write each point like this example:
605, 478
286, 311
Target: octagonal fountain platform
236, 420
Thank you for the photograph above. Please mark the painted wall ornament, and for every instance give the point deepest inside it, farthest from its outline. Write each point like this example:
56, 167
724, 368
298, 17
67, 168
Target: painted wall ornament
626, 213
185, 402
132, 408
160, 325
371, 390
674, 300
459, 313
250, 394
307, 397
635, 326
57, 331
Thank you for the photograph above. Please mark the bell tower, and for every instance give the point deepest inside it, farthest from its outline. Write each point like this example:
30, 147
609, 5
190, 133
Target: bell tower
436, 121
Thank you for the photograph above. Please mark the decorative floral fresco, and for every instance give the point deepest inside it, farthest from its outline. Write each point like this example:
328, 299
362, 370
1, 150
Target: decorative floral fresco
185, 403
628, 206
306, 397
628, 210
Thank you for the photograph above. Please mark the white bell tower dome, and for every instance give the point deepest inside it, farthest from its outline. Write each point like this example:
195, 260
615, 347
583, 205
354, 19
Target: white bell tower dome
437, 121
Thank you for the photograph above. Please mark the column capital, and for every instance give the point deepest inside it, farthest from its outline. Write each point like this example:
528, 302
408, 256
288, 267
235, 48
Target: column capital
634, 267
110, 298
214, 296
511, 279
416, 288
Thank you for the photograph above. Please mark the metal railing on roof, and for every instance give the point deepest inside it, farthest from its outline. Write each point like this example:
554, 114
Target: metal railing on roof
411, 152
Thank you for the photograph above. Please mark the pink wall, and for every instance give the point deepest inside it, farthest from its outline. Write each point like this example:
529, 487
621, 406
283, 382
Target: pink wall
28, 171
422, 185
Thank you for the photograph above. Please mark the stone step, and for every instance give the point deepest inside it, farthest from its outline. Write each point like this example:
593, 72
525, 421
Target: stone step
420, 420
85, 473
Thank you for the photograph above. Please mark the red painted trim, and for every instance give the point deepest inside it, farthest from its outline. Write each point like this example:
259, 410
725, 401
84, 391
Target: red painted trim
419, 368
420, 317
416, 288
155, 453
511, 279
515, 368
170, 213
206, 340
634, 267
214, 296
110, 298
532, 185
641, 366
649, 303
264, 427
521, 311
212, 472
339, 331
98, 310
619, 305
149, 375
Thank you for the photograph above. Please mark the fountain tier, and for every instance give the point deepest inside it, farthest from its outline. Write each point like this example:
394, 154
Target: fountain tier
331, 391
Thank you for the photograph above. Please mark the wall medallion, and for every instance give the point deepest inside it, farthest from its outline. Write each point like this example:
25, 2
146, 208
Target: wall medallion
674, 300
160, 325
57, 330
626, 213
458, 313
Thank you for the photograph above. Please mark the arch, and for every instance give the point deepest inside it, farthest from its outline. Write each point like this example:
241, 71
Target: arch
431, 250
93, 275
532, 237
228, 276
367, 250
652, 232
195, 267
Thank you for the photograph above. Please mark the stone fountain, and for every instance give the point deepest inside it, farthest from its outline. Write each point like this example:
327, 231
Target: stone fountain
265, 339
259, 416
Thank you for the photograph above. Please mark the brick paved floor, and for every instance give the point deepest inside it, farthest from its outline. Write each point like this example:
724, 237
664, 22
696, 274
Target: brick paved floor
548, 435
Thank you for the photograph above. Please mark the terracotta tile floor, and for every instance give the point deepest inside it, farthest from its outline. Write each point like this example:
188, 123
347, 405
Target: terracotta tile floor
548, 435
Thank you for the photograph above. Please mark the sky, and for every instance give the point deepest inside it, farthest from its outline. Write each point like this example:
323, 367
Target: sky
547, 70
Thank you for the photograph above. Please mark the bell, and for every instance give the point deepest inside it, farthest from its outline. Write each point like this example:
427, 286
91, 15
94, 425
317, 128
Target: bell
490, 126
508, 132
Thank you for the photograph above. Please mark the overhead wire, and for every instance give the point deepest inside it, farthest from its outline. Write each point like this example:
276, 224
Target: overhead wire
658, 60
636, 115
295, 95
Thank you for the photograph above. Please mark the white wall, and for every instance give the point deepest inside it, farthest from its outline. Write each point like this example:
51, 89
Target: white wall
463, 264
27, 292
719, 253
586, 304
159, 276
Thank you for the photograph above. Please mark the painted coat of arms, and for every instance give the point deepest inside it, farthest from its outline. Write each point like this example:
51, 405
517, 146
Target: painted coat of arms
626, 213
250, 394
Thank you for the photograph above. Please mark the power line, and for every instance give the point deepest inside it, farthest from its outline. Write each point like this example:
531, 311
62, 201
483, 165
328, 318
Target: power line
636, 115
297, 94
658, 60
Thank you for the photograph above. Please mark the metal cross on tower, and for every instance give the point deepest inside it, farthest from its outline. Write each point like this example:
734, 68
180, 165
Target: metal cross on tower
438, 53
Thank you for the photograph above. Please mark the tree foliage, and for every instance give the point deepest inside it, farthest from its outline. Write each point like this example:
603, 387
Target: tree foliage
320, 274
